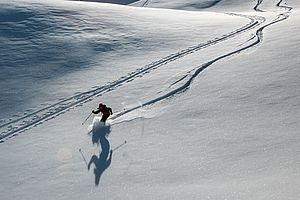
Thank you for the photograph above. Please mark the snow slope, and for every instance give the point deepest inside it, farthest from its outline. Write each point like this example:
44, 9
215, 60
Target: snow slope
221, 5
81, 44
209, 109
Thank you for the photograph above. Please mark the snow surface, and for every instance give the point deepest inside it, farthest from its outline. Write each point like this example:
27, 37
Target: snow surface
206, 102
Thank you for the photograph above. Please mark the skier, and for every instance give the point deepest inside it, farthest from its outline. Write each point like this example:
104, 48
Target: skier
106, 111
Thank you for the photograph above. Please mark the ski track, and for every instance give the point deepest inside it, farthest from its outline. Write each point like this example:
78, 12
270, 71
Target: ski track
257, 5
146, 2
28, 121
143, 3
192, 74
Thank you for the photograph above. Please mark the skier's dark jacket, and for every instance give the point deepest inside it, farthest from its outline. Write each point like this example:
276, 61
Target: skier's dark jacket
106, 112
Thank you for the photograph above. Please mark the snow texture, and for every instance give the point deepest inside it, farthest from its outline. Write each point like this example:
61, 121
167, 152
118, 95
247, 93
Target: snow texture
205, 95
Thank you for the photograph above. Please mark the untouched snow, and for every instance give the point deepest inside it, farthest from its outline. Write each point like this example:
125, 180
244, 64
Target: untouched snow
206, 104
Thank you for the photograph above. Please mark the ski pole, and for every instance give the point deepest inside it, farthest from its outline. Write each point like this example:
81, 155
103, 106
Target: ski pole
116, 148
83, 158
87, 118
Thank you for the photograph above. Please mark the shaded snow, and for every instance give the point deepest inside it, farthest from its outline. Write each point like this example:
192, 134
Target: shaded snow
67, 43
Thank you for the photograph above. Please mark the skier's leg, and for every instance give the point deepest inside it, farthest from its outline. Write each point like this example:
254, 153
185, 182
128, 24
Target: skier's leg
104, 118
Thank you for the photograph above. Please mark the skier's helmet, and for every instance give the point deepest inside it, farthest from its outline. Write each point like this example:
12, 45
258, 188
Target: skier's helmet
101, 105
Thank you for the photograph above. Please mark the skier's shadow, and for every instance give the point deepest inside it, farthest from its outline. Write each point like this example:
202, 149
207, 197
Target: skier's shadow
99, 133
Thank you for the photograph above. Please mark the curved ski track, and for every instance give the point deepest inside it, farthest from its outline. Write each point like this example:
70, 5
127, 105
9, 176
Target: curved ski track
192, 74
257, 5
28, 121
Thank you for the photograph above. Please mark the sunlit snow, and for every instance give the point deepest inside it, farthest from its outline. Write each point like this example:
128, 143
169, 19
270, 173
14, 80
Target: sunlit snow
205, 96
